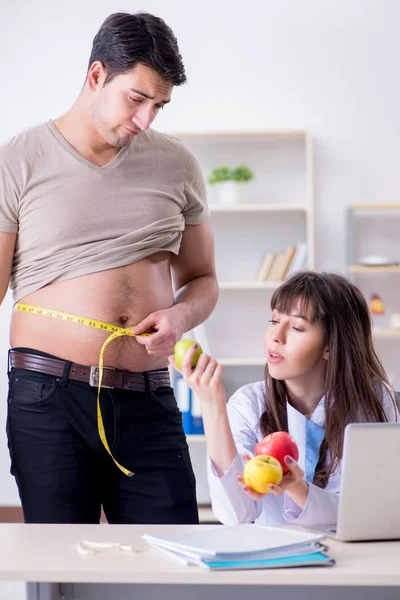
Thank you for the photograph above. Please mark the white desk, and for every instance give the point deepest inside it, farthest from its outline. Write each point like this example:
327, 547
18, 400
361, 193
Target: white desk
47, 555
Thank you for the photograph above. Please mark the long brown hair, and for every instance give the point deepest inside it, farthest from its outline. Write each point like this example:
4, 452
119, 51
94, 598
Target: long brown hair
354, 373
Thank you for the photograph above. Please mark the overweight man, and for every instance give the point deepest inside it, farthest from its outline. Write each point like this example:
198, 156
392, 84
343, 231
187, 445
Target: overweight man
104, 220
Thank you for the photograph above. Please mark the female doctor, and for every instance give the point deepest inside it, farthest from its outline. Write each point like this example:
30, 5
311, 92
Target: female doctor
322, 373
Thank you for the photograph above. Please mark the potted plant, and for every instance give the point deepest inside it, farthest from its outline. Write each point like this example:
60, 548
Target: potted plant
229, 180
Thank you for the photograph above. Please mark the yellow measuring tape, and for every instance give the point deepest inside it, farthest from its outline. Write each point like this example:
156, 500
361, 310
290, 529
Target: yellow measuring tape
115, 333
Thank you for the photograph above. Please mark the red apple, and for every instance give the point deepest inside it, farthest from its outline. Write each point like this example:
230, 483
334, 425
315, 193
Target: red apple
278, 444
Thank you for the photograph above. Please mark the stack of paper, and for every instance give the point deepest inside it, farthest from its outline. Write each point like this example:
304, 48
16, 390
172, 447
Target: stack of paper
244, 547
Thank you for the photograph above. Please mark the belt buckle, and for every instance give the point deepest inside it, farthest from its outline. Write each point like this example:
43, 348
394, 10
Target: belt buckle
95, 370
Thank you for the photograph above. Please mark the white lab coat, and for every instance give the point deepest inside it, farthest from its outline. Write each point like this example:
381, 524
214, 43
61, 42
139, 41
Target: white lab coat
230, 502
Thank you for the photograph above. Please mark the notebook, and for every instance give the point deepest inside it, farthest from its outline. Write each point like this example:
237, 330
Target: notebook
241, 546
301, 559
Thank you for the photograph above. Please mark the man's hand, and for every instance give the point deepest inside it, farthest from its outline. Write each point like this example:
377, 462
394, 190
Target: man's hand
168, 326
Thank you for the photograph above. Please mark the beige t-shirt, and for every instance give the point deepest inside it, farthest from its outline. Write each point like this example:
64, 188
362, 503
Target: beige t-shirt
75, 218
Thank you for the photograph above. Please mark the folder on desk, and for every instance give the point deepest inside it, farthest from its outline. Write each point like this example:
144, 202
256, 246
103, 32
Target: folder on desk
244, 547
309, 559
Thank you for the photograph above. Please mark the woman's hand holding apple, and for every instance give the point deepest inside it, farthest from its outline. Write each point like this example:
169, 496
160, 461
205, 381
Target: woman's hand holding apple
205, 379
292, 482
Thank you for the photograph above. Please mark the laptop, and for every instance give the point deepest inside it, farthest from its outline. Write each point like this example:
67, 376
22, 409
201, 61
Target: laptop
369, 504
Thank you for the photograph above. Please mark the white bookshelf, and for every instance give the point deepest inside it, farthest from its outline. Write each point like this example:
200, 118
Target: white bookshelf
372, 229
276, 210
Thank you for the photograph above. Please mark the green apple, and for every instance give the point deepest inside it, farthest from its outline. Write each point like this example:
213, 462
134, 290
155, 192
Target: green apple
180, 350
260, 471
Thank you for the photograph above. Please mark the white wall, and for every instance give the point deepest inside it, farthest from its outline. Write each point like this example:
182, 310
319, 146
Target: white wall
328, 66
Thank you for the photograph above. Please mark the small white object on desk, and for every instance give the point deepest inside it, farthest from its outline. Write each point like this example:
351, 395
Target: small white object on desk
86, 548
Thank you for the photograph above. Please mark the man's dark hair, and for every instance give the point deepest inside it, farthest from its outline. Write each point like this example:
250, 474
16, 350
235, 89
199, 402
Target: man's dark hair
125, 40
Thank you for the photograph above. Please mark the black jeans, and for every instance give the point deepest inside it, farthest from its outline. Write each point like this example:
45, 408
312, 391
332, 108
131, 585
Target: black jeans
65, 475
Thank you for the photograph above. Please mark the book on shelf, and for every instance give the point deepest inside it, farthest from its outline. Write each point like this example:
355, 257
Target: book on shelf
265, 266
299, 259
281, 264
244, 547
288, 256
275, 267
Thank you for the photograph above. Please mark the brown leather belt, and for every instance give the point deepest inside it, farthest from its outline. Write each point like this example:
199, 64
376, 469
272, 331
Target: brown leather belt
112, 378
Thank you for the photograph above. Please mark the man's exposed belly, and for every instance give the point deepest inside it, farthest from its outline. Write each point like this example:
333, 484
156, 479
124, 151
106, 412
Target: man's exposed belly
122, 296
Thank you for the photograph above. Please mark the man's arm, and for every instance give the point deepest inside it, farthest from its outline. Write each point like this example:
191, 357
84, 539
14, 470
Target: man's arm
7, 245
194, 276
195, 282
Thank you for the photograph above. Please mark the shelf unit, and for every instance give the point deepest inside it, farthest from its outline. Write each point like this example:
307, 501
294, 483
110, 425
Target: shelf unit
372, 229
355, 248
276, 209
